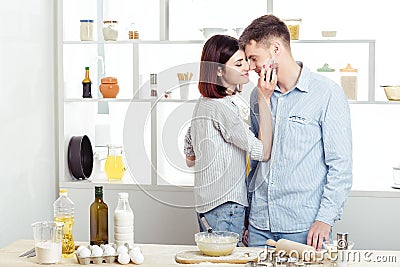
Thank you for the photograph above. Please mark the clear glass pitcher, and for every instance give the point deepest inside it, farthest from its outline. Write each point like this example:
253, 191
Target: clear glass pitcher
114, 166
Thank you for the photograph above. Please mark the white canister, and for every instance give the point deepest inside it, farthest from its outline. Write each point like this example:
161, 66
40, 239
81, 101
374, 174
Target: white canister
110, 30
86, 31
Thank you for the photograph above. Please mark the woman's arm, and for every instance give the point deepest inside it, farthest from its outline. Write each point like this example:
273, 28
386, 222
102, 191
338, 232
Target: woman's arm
265, 90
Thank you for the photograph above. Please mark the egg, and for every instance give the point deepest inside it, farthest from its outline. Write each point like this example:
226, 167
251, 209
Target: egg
80, 249
136, 256
124, 258
84, 252
109, 251
97, 251
122, 249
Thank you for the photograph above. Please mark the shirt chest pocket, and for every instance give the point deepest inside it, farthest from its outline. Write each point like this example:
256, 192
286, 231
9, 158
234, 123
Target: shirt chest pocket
303, 127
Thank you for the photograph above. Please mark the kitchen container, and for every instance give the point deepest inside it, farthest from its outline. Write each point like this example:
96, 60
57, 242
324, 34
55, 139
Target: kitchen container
328, 34
86, 30
123, 221
114, 166
80, 157
392, 92
109, 87
64, 213
348, 81
48, 238
110, 30
217, 243
294, 27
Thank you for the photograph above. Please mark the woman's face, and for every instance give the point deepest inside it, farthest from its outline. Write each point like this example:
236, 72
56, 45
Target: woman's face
236, 71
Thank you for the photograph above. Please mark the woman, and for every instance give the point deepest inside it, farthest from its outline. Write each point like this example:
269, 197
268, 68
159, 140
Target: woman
218, 140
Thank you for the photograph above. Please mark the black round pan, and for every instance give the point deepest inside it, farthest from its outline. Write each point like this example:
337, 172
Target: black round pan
80, 157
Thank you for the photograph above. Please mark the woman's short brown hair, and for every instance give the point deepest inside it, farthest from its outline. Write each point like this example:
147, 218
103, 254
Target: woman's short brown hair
216, 52
263, 29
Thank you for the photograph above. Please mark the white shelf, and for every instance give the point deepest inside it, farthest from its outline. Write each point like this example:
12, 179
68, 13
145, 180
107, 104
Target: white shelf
334, 41
316, 41
91, 100
135, 42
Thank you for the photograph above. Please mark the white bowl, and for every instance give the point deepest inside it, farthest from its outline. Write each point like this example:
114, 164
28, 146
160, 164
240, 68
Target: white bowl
328, 33
208, 32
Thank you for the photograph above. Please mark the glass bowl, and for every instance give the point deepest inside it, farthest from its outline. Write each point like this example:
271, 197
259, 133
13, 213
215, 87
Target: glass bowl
392, 92
218, 243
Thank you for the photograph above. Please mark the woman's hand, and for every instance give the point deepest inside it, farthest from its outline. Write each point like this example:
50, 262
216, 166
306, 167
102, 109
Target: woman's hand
265, 85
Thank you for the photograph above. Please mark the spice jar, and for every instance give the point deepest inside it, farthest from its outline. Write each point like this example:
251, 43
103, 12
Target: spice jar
110, 30
86, 30
109, 87
348, 81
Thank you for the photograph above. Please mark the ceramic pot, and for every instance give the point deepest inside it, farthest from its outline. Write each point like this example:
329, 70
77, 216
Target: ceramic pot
109, 87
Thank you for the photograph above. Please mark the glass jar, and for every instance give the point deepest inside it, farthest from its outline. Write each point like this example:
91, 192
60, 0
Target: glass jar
86, 30
294, 28
114, 166
110, 30
348, 81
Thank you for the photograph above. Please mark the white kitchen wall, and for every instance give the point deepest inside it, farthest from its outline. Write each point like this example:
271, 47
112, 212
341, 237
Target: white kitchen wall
27, 157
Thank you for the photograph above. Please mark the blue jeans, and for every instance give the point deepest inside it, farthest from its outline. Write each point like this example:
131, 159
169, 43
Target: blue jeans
226, 217
258, 238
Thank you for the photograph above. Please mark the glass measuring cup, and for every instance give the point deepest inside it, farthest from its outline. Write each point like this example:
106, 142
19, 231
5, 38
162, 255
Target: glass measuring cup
48, 241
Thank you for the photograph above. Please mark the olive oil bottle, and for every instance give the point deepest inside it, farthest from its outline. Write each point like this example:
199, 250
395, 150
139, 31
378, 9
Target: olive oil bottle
98, 219
87, 85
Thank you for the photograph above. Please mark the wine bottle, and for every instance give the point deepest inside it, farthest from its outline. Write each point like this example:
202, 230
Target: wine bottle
98, 219
87, 85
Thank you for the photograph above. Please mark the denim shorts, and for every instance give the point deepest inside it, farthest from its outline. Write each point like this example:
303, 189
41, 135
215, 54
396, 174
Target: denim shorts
226, 217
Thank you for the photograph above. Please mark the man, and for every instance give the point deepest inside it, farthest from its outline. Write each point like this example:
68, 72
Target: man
300, 192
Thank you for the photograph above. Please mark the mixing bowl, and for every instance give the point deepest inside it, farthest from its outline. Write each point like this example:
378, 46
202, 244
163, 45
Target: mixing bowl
392, 92
217, 243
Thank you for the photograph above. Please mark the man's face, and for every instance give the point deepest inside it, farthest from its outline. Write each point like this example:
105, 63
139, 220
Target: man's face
257, 56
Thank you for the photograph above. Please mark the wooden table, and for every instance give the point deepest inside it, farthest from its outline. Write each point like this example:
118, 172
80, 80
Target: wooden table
164, 255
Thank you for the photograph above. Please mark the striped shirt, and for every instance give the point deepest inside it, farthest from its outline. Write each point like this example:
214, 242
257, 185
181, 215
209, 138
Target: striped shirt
220, 140
309, 174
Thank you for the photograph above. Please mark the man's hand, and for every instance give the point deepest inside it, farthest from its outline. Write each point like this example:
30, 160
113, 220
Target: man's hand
319, 231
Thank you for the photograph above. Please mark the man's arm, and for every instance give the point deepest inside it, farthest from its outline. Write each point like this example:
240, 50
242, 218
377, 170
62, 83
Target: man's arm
337, 142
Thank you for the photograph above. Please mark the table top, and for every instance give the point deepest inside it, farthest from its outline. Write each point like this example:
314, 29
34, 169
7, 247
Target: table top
164, 255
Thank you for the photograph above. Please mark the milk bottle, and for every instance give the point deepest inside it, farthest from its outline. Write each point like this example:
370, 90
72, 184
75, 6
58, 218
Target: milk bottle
123, 221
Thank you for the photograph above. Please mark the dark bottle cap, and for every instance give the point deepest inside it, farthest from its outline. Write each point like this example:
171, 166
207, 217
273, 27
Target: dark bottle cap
98, 191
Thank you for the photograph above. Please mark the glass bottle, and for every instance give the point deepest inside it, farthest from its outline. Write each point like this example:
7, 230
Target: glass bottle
64, 212
153, 85
114, 166
123, 221
98, 219
87, 85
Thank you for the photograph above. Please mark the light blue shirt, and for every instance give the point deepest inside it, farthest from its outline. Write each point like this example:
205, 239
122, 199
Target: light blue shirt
309, 175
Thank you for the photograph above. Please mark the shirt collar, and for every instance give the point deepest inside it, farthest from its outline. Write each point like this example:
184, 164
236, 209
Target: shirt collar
304, 78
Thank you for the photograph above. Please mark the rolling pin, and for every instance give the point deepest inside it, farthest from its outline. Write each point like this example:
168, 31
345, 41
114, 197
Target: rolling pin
288, 246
